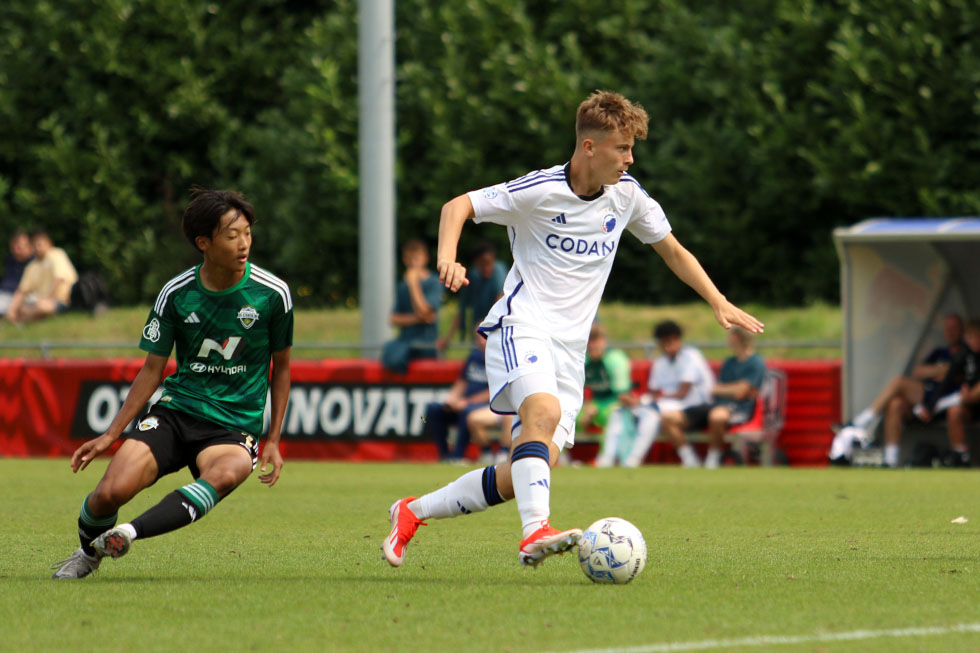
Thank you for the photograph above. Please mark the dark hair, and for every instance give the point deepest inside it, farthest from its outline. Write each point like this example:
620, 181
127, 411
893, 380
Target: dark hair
19, 233
414, 245
202, 217
483, 247
667, 329
40, 231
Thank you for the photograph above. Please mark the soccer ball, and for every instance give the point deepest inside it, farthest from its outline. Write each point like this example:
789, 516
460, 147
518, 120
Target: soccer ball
612, 550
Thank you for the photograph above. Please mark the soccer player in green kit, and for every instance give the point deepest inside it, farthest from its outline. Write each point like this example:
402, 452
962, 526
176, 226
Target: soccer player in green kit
228, 320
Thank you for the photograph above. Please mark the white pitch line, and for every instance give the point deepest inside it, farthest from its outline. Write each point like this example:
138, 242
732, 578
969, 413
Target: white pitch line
769, 640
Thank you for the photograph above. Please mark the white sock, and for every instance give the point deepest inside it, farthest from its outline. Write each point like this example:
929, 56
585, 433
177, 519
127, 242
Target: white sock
647, 427
531, 475
891, 455
610, 443
688, 455
713, 457
864, 418
462, 496
129, 529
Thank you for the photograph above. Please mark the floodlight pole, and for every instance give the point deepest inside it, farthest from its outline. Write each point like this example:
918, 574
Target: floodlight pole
376, 102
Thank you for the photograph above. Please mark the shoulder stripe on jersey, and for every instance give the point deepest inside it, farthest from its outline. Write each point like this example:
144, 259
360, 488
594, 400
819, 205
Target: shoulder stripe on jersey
559, 176
528, 176
170, 287
270, 280
629, 177
532, 176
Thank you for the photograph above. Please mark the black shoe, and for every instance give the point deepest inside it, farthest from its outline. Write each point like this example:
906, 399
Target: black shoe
956, 459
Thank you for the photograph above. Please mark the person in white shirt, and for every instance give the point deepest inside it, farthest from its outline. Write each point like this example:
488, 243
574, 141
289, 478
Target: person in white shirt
678, 392
564, 223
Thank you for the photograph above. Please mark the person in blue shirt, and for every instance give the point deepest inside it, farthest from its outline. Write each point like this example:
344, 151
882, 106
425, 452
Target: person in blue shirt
735, 393
21, 253
486, 277
470, 392
417, 300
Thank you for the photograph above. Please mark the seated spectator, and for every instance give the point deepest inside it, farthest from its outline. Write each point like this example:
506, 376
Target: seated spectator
898, 398
470, 392
679, 397
959, 394
486, 277
45, 288
417, 300
21, 253
739, 381
607, 376
480, 423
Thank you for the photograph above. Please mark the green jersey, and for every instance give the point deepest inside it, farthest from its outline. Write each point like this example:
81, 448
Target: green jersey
609, 376
225, 341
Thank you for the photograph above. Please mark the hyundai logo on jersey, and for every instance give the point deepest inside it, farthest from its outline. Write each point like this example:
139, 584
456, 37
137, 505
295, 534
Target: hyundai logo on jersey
580, 246
530, 357
608, 223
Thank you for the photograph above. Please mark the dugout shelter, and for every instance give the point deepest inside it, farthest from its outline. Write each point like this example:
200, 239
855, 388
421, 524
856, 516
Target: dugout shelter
898, 277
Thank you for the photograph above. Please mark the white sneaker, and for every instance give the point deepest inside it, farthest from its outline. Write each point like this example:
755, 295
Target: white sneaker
113, 543
689, 459
79, 565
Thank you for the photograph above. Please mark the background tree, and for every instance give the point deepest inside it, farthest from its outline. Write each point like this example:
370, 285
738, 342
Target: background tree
771, 123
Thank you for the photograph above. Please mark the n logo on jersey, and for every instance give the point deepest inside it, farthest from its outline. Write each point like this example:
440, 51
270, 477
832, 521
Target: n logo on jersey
231, 348
248, 316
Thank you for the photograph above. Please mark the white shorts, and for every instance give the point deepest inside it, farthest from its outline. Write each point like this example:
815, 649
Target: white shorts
522, 361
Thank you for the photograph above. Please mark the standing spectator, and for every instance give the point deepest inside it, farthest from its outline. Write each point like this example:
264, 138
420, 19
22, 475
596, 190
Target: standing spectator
607, 376
680, 386
417, 300
21, 253
468, 393
45, 288
485, 288
735, 394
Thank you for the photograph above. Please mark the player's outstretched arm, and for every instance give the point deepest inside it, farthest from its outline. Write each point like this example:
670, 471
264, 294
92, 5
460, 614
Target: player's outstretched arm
280, 397
454, 214
144, 385
687, 268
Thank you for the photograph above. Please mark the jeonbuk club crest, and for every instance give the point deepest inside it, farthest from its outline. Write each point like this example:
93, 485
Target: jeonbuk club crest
248, 316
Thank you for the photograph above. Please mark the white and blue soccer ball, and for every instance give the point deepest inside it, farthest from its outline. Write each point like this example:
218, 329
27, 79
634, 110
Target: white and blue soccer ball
612, 550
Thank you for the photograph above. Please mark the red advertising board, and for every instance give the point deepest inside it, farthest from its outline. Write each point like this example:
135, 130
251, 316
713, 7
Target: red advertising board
346, 409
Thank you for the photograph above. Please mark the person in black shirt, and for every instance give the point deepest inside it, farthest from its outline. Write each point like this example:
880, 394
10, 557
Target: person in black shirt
896, 400
959, 394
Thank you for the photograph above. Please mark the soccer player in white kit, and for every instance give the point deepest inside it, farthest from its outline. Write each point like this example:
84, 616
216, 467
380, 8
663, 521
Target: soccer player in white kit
564, 225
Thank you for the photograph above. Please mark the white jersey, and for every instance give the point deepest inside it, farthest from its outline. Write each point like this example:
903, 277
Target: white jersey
563, 248
688, 366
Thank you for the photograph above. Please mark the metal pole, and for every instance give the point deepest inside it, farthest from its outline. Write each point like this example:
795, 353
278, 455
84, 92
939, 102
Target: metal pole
376, 100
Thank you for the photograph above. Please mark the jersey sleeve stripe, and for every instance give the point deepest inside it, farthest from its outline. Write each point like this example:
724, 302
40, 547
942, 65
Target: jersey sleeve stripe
270, 280
168, 289
560, 176
628, 177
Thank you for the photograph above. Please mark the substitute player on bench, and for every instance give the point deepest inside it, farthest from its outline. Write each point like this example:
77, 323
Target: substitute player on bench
564, 225
228, 319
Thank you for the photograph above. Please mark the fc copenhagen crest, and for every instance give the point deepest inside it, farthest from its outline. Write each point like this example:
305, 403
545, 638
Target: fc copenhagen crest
248, 316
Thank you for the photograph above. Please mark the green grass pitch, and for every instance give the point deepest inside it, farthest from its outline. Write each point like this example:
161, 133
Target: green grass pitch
733, 554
